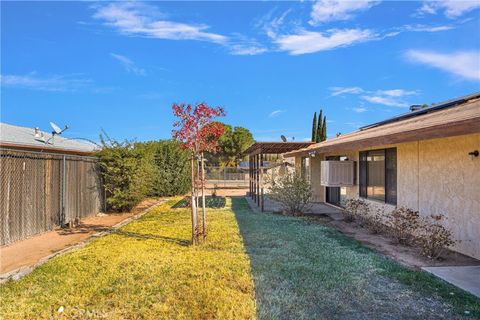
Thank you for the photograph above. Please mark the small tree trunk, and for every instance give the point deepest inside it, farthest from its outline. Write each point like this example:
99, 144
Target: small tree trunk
197, 197
204, 214
194, 207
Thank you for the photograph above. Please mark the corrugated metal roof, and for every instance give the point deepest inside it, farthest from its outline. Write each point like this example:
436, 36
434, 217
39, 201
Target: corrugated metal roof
11, 135
461, 119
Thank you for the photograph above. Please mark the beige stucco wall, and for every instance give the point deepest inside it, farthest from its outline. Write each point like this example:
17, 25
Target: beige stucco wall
317, 189
434, 176
298, 163
445, 180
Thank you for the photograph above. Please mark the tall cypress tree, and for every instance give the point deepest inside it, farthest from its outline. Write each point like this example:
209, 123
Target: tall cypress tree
324, 129
314, 127
319, 127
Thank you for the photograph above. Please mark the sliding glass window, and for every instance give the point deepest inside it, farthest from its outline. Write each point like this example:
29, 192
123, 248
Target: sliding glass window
378, 175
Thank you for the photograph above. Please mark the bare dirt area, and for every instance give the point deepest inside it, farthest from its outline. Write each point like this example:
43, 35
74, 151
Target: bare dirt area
228, 192
406, 255
29, 251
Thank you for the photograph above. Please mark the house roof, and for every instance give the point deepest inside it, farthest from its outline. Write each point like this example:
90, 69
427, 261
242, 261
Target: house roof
12, 136
452, 118
431, 108
275, 147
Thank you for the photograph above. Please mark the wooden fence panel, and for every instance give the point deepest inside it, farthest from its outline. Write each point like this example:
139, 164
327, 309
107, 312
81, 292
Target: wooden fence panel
32, 188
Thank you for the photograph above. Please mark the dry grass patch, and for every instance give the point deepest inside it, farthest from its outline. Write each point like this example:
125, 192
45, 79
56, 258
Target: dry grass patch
147, 270
306, 270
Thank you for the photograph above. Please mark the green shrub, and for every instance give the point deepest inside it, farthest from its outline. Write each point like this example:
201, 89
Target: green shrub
171, 168
132, 171
293, 192
126, 174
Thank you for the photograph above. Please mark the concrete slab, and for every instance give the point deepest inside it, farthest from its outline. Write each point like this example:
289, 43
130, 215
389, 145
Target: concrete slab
464, 277
314, 209
320, 208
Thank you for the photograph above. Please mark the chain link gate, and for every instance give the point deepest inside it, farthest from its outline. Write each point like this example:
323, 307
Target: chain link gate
42, 191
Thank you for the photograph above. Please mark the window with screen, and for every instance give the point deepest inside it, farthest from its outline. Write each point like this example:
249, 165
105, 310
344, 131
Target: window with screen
378, 175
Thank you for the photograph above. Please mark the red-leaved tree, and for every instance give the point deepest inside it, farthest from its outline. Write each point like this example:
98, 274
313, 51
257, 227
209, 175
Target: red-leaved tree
197, 131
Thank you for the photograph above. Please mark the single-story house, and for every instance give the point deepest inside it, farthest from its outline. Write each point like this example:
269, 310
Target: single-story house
33, 139
427, 160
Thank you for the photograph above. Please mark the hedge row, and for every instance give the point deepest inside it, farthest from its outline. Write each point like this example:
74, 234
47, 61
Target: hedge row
133, 171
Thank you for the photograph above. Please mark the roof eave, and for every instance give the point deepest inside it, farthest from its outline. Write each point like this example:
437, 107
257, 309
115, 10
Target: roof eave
446, 130
45, 149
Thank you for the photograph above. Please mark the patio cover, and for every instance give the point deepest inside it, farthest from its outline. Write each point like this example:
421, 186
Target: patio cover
275, 147
256, 154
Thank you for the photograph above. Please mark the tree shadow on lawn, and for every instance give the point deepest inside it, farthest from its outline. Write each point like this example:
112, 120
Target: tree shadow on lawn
310, 271
210, 202
144, 236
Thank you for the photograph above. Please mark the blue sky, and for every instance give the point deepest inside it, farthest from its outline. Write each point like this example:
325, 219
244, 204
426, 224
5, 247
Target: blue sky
119, 66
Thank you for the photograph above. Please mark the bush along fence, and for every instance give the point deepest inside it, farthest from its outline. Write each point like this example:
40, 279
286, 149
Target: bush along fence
42, 191
132, 171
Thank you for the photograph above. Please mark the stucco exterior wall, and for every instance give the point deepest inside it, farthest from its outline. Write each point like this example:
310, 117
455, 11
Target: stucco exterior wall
298, 163
446, 181
434, 176
317, 189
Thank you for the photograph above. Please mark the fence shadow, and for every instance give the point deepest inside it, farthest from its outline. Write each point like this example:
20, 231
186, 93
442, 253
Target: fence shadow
144, 236
82, 229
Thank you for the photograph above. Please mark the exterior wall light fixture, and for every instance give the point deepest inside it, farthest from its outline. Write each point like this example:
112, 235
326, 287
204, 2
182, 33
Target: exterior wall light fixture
474, 153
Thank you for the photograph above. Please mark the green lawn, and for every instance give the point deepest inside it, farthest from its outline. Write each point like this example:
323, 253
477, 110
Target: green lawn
254, 265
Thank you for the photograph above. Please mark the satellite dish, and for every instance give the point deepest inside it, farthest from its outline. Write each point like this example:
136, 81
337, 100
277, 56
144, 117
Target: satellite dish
55, 128
284, 139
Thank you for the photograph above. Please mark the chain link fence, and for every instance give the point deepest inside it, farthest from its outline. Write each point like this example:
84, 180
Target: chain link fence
226, 177
41, 191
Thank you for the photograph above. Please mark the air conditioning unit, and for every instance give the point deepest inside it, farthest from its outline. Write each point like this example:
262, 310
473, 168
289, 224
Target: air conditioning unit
337, 173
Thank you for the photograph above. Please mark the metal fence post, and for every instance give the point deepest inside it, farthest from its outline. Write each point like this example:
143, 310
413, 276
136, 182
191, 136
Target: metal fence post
40, 191
64, 183
224, 176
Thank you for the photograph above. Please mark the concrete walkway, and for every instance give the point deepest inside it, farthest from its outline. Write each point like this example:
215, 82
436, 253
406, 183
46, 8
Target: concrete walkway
465, 277
315, 208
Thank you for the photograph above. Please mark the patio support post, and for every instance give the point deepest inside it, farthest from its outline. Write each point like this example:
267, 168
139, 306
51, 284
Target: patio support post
64, 219
251, 176
255, 178
261, 179
258, 179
